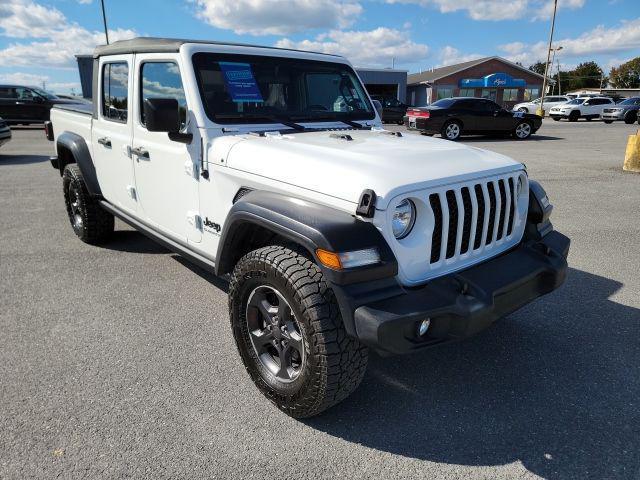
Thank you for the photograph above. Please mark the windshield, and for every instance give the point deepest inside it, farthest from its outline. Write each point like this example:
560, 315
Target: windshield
44, 93
260, 89
631, 101
443, 102
577, 101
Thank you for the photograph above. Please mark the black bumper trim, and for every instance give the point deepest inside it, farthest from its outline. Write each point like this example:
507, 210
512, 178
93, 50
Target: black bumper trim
464, 303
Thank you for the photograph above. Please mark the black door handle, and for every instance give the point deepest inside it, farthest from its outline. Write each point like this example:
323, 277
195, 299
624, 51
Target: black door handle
105, 142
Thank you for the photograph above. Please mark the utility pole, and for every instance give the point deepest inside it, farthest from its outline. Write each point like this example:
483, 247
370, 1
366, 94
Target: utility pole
559, 89
556, 49
104, 20
546, 68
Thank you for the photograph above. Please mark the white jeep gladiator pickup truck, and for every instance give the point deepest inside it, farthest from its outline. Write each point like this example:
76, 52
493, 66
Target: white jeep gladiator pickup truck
271, 165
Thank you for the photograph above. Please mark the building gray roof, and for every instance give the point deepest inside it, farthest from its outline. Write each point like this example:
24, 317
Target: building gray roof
435, 74
163, 45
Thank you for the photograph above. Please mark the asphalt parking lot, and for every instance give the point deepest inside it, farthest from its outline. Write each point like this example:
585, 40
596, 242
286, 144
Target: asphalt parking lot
118, 361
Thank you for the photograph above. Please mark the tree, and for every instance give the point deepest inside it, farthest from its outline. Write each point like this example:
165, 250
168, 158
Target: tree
538, 68
626, 75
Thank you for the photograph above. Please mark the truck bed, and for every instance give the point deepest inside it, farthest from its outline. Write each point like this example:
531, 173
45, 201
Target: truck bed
75, 119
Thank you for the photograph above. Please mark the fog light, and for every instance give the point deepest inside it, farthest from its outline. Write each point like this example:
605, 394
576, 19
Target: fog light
424, 326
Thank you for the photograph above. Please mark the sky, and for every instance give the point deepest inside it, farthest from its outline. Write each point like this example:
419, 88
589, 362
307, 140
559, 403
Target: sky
39, 38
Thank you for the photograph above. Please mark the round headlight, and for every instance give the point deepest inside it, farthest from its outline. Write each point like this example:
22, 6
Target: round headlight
404, 217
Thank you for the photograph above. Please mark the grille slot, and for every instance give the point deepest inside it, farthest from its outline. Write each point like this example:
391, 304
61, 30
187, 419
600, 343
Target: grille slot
436, 238
467, 217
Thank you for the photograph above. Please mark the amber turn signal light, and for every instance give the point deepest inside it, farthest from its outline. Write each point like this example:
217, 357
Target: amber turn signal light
329, 259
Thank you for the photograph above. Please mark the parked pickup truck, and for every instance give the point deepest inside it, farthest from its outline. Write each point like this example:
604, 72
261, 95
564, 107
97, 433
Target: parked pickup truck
271, 165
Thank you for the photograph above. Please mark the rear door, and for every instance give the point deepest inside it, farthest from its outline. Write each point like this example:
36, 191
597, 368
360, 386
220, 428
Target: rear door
166, 170
8, 103
111, 132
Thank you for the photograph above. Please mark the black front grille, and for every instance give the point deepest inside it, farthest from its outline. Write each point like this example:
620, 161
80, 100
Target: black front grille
470, 195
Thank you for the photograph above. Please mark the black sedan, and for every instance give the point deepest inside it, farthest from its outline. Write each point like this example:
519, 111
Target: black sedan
453, 117
25, 105
393, 110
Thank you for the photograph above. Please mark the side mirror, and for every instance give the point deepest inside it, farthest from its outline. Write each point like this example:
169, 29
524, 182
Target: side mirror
163, 115
378, 107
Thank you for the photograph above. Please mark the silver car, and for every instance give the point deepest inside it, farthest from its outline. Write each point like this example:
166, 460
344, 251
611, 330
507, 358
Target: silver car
5, 132
626, 110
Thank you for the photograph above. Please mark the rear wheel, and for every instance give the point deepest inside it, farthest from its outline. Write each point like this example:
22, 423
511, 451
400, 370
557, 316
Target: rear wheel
451, 130
574, 116
289, 332
523, 130
90, 222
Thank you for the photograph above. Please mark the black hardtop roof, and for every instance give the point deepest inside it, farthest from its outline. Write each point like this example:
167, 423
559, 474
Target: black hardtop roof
162, 45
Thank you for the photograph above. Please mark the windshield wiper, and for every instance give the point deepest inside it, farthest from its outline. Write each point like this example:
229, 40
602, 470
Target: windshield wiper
332, 118
272, 118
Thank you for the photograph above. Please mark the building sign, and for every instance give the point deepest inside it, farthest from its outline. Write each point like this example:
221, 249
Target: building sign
495, 80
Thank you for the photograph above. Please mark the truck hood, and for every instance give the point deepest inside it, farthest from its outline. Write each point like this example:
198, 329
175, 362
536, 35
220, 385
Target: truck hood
390, 165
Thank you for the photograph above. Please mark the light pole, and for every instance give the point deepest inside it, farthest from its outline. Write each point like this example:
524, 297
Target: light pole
557, 49
546, 68
104, 20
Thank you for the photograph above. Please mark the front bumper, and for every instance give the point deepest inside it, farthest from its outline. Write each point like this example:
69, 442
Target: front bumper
464, 303
5, 135
613, 115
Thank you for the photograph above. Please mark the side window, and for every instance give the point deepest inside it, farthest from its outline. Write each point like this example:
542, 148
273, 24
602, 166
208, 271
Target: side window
115, 83
8, 93
162, 80
24, 93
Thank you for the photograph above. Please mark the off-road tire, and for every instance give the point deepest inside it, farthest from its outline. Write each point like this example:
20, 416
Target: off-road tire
90, 222
574, 116
334, 363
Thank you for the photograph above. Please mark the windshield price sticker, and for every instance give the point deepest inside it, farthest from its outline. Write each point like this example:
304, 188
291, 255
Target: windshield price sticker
241, 85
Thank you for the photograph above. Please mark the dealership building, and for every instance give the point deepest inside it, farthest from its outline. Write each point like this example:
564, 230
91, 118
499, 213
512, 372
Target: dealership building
494, 78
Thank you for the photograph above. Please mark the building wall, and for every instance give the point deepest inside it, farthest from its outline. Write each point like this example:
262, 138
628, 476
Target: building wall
487, 68
449, 86
386, 77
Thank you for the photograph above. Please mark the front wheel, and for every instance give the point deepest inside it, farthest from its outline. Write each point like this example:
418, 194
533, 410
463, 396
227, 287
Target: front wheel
631, 117
451, 130
523, 130
289, 332
574, 116
523, 110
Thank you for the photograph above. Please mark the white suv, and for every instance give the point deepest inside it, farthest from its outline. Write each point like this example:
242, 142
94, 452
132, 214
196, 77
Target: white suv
581, 107
533, 106
271, 165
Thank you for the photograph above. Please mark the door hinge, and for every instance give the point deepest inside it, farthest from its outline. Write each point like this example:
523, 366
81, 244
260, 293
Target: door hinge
131, 190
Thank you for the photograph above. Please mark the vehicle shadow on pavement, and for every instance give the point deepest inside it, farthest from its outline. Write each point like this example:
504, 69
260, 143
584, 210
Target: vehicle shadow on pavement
133, 241
555, 386
22, 159
503, 138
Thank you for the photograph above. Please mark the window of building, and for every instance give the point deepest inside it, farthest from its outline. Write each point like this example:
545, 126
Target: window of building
162, 80
444, 92
510, 95
531, 93
115, 84
467, 92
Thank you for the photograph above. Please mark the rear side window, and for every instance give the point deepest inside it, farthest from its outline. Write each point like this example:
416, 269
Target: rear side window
162, 80
115, 84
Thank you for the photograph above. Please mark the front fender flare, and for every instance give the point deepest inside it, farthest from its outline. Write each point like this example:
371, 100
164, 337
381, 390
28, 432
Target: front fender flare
310, 225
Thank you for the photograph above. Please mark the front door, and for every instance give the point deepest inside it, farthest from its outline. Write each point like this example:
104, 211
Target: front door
166, 170
111, 132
